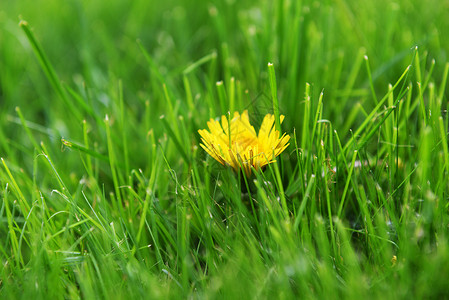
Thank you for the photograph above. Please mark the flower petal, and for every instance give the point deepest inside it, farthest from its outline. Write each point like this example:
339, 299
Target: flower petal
235, 142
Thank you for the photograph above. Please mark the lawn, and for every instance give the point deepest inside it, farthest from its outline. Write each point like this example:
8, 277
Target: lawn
110, 186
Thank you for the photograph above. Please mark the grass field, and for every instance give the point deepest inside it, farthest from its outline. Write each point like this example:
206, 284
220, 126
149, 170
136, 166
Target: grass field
105, 191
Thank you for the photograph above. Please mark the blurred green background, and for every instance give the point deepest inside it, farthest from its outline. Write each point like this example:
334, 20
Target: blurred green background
93, 45
308, 41
134, 61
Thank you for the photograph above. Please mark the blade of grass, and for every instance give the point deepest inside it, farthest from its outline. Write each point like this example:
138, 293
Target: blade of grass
174, 138
48, 69
274, 96
84, 149
374, 111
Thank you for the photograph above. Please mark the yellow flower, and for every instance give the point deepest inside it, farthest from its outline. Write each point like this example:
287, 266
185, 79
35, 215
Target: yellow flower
243, 148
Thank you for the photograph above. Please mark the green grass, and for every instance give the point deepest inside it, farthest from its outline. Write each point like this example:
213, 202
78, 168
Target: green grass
105, 192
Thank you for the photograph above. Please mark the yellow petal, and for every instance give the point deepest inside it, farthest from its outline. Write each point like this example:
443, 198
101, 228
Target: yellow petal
237, 145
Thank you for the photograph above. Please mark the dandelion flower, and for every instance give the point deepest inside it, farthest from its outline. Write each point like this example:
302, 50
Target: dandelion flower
242, 148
